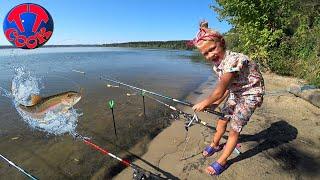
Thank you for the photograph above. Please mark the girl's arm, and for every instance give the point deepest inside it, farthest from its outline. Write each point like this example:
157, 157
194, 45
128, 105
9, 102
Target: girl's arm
221, 99
218, 93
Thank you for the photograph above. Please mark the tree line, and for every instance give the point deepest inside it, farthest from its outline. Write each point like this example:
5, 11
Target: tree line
181, 44
282, 35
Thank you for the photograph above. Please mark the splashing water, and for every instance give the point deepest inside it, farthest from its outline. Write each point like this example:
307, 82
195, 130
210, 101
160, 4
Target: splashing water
5, 93
24, 84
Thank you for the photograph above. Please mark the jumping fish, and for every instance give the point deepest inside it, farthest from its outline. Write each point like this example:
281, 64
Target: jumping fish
58, 103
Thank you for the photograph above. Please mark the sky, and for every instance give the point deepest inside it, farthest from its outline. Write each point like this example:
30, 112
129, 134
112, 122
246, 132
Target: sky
112, 21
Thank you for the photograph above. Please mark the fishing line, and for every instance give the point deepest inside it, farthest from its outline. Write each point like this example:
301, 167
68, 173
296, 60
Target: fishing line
208, 110
190, 118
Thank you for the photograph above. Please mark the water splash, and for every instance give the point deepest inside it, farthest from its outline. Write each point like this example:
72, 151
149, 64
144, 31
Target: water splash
53, 122
5, 93
24, 84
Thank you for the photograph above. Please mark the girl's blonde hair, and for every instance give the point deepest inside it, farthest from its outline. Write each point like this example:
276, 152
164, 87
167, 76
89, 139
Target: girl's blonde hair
207, 34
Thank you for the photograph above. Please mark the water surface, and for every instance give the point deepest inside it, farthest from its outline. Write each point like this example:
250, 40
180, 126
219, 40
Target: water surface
47, 156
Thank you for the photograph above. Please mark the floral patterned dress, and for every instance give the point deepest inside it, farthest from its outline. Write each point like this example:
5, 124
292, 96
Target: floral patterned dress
246, 89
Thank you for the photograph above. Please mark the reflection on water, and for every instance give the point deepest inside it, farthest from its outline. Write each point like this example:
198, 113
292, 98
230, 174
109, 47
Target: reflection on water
61, 157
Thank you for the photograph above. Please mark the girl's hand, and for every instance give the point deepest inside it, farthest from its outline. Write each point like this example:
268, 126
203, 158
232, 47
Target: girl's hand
200, 106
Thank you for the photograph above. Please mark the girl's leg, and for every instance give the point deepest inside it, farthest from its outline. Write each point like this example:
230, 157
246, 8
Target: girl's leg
231, 144
242, 112
221, 129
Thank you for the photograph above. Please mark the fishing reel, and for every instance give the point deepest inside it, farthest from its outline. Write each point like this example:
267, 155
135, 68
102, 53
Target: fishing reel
174, 116
139, 175
190, 119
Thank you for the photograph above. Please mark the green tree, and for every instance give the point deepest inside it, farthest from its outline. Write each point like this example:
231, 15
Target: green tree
283, 35
260, 23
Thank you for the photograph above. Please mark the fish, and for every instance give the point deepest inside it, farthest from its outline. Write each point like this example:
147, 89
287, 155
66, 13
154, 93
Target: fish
58, 103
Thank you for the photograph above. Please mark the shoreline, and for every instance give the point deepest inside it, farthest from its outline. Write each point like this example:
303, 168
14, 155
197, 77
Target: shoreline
275, 142
142, 146
151, 159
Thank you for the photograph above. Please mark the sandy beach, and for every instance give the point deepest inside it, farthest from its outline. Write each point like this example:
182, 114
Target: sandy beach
281, 141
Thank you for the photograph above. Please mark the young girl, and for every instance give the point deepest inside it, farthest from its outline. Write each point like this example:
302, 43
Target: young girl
240, 80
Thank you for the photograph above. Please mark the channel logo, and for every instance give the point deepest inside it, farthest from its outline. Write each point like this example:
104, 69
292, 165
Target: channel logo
28, 26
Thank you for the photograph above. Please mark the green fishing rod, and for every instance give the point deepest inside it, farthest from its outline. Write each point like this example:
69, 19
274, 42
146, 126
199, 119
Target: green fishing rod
162, 96
19, 168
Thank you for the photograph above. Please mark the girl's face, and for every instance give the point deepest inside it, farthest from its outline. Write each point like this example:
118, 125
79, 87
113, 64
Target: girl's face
212, 51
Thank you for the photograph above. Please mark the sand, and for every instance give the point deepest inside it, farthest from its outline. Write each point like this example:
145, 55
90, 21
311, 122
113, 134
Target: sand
281, 141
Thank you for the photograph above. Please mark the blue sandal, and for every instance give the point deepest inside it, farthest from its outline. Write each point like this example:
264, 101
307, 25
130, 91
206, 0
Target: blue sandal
218, 168
210, 150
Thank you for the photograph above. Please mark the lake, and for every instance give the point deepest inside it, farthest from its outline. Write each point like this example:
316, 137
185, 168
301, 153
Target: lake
50, 156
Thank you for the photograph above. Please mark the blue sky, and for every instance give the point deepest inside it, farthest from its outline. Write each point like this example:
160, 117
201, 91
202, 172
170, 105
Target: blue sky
109, 21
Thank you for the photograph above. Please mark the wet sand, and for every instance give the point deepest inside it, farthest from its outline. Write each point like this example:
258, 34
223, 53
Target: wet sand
281, 141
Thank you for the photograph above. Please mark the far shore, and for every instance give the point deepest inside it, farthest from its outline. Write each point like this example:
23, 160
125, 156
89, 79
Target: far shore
53, 46
170, 44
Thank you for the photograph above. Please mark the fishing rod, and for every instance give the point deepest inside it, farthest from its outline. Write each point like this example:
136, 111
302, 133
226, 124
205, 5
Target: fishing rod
190, 119
160, 95
138, 172
19, 168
